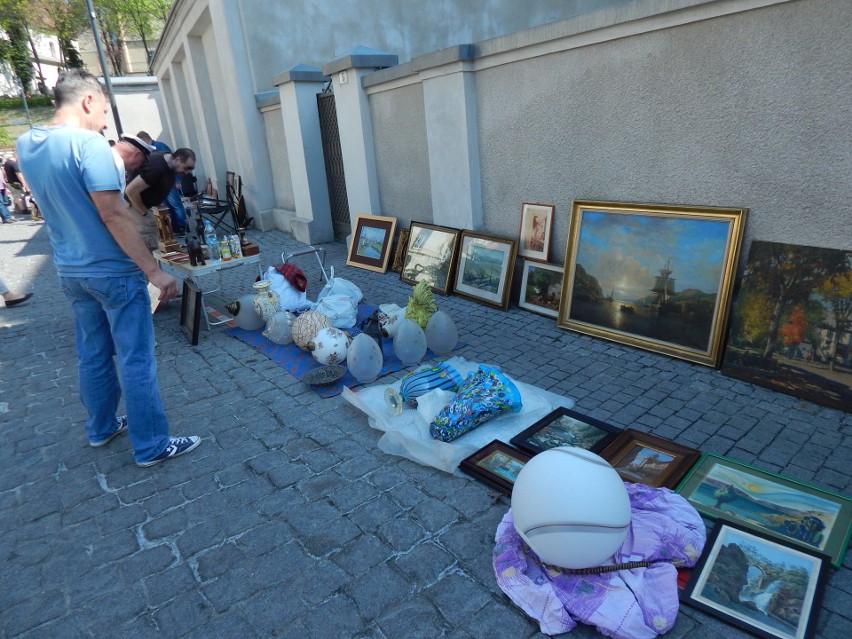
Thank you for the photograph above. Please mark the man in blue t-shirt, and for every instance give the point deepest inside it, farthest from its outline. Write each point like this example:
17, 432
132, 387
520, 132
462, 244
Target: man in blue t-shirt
103, 263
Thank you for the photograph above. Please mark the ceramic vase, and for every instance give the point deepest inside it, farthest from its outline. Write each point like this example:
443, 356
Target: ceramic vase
441, 333
409, 344
364, 358
266, 301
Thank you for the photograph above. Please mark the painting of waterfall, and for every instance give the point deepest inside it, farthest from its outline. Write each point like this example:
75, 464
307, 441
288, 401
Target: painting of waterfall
761, 584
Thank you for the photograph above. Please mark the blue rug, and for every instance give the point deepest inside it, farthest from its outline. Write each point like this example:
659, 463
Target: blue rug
298, 362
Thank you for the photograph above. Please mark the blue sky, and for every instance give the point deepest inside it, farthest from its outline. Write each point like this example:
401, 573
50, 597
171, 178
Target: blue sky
626, 252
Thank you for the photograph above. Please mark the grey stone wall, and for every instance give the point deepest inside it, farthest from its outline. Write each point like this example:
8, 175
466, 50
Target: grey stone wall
750, 109
402, 158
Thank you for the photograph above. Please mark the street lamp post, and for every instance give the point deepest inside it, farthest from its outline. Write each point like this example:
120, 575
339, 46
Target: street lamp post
94, 19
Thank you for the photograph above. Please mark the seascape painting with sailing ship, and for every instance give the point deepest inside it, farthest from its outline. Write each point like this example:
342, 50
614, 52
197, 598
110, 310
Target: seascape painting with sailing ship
653, 277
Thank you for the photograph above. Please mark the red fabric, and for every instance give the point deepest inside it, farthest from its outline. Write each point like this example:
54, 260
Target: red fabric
294, 275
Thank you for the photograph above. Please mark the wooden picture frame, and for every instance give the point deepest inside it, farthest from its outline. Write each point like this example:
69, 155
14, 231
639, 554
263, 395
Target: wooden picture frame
796, 512
647, 459
652, 276
565, 427
371, 242
496, 464
430, 254
399, 253
191, 308
803, 351
535, 231
541, 288
759, 583
486, 265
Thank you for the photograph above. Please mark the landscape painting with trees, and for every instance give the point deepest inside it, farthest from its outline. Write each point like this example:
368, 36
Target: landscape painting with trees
791, 328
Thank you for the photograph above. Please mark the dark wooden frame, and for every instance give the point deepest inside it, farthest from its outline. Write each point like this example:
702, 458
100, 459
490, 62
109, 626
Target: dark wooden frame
191, 308
472, 465
816, 563
450, 261
498, 299
522, 439
378, 264
684, 457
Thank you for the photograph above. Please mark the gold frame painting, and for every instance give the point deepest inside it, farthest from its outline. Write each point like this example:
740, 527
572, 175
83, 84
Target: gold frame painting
371, 242
653, 276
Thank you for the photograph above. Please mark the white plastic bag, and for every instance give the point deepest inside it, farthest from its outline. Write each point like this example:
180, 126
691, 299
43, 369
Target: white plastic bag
342, 310
340, 286
291, 299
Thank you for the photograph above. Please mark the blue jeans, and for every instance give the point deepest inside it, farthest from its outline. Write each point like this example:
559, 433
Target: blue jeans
113, 320
176, 211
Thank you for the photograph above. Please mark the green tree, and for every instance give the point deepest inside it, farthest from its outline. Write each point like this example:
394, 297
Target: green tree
15, 48
836, 290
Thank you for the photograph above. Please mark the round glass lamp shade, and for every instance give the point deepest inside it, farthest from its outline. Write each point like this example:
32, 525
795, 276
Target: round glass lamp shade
364, 358
571, 507
329, 346
244, 313
279, 328
441, 333
409, 343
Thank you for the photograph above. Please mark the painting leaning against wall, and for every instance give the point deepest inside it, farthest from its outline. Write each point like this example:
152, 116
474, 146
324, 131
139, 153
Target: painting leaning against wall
791, 328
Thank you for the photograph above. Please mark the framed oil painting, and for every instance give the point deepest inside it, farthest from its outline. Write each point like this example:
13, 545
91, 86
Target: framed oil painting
430, 255
534, 236
564, 427
641, 458
796, 512
541, 288
371, 242
652, 276
191, 307
761, 584
485, 269
790, 325
496, 464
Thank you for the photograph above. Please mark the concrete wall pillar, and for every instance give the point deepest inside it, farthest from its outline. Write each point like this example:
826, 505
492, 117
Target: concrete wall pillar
356, 127
298, 90
453, 144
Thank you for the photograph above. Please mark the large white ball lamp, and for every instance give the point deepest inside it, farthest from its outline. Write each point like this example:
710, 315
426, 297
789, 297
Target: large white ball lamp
571, 507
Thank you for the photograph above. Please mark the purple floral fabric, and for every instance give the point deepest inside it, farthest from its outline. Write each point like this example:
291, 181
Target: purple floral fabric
628, 604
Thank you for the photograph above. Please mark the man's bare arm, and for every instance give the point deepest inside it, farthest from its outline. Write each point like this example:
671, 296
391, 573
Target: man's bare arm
119, 221
134, 194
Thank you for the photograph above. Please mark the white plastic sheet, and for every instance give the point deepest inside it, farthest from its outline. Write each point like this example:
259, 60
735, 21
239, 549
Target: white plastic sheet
407, 435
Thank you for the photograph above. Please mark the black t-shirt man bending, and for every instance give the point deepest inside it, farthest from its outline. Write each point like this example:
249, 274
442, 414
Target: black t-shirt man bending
154, 181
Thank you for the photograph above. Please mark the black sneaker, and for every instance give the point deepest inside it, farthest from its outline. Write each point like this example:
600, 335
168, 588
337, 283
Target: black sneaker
122, 428
177, 446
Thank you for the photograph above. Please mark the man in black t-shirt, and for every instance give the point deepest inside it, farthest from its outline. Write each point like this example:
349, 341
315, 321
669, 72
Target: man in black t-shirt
154, 181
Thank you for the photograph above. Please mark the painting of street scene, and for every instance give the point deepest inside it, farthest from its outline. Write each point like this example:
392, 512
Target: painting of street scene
429, 256
764, 585
791, 328
371, 241
651, 276
502, 465
568, 431
769, 505
643, 465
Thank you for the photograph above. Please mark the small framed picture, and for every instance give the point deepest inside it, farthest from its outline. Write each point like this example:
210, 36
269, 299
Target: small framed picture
541, 288
399, 253
430, 255
191, 307
772, 504
647, 459
564, 427
761, 584
496, 464
534, 237
486, 266
371, 242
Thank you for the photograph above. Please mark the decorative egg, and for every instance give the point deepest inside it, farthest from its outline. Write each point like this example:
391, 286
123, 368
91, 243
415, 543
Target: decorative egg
307, 325
329, 346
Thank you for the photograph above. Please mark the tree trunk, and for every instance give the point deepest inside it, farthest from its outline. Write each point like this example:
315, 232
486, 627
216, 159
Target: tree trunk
774, 325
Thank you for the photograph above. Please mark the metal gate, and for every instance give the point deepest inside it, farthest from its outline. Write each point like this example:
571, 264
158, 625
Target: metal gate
333, 164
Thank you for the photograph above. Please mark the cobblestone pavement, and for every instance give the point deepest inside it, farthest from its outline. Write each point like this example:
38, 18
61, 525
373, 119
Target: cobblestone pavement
288, 521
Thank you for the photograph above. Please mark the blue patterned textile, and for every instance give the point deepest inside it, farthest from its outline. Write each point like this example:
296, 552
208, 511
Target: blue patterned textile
485, 393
